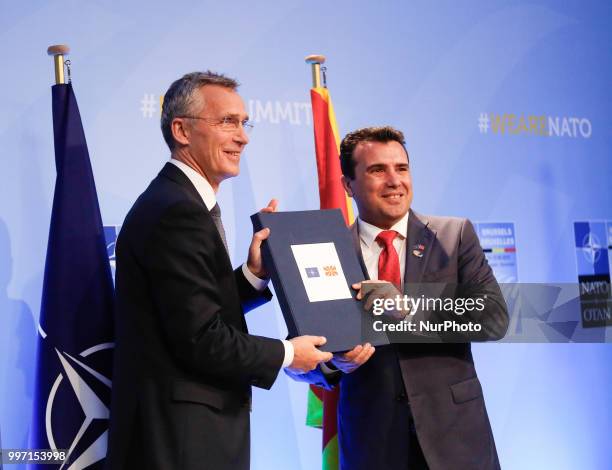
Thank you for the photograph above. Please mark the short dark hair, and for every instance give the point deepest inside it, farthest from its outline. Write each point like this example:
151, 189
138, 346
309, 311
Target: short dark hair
180, 98
367, 134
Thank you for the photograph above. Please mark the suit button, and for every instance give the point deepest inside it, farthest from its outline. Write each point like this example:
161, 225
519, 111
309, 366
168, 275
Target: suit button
401, 398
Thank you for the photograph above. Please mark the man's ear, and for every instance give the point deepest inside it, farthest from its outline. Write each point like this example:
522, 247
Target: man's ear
347, 185
180, 131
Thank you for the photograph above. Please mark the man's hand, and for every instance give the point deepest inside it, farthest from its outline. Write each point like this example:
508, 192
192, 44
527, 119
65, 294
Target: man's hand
271, 207
305, 354
351, 360
254, 262
369, 291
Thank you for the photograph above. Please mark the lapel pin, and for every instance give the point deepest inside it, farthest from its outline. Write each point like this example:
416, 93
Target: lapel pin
418, 250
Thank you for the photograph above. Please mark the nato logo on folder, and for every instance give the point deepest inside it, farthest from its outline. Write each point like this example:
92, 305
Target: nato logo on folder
313, 263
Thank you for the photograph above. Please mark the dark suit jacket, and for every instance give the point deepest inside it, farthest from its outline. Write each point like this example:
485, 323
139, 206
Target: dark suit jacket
436, 382
184, 362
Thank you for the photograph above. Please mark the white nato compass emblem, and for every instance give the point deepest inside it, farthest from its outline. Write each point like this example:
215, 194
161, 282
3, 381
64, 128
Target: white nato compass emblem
89, 444
591, 248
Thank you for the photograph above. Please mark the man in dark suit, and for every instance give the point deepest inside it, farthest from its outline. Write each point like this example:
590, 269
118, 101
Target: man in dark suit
411, 406
184, 361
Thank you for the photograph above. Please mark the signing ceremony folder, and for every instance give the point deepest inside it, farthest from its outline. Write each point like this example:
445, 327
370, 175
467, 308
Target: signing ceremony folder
312, 262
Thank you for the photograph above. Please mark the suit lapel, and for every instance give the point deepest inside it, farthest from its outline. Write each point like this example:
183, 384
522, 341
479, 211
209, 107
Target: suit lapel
418, 234
175, 174
419, 239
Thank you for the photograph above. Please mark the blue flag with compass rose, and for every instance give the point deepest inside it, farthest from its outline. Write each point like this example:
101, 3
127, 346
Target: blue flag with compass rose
593, 243
72, 397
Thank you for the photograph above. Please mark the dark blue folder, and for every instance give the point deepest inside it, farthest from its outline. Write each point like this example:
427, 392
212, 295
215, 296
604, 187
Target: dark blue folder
342, 321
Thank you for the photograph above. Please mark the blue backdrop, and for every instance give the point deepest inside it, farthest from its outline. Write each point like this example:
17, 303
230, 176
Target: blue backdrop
507, 110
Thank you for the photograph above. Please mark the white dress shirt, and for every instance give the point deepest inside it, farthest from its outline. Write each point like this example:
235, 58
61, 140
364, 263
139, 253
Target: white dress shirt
370, 248
207, 193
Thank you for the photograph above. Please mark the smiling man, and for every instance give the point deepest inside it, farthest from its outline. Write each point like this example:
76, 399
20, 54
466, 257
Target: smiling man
184, 361
410, 406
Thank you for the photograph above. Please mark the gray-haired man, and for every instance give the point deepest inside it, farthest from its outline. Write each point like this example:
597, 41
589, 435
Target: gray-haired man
184, 361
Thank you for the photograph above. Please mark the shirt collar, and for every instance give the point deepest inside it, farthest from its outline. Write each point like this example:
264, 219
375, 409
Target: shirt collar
201, 184
369, 232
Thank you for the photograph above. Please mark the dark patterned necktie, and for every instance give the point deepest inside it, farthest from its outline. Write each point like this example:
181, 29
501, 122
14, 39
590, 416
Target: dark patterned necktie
215, 213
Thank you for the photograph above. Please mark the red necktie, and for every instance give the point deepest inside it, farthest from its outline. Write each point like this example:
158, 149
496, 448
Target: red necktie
388, 261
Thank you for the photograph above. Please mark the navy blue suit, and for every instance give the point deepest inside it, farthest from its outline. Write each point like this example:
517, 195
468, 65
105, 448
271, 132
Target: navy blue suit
184, 361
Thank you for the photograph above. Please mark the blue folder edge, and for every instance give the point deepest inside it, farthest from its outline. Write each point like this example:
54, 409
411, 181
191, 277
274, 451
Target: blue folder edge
343, 322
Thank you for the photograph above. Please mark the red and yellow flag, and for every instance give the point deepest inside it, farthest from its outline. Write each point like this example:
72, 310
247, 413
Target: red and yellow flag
323, 404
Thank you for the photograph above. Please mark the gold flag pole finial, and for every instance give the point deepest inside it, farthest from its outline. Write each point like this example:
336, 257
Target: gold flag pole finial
315, 60
58, 52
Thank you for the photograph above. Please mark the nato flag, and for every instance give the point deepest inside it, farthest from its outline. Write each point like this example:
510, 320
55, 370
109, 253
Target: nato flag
72, 397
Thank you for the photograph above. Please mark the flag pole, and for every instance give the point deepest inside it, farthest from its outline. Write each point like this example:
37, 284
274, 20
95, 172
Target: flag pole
322, 404
315, 60
58, 51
